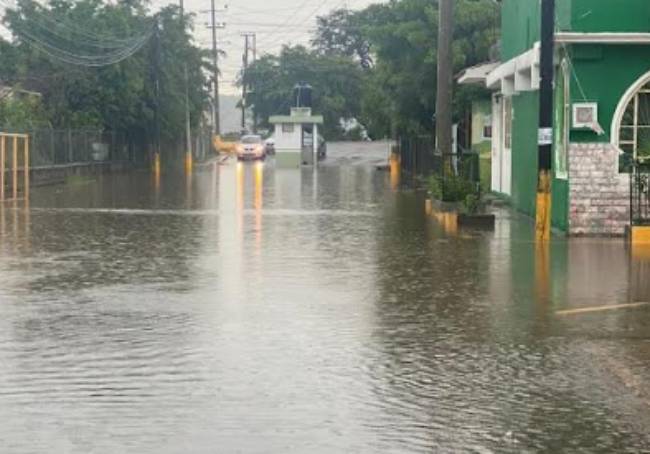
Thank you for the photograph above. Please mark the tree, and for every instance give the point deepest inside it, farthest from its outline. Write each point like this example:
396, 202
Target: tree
117, 97
336, 80
401, 41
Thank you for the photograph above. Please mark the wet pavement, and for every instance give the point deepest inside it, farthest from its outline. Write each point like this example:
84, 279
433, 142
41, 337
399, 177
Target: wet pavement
261, 310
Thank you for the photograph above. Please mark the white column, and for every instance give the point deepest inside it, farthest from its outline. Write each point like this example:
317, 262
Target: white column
315, 144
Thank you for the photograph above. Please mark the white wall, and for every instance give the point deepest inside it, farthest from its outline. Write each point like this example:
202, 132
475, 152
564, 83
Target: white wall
288, 140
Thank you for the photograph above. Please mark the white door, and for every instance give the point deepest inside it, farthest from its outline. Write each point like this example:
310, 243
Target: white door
506, 146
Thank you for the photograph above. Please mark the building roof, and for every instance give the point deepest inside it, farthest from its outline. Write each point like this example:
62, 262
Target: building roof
476, 74
296, 119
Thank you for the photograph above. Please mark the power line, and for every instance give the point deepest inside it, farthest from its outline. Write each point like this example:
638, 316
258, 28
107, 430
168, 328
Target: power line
59, 51
99, 40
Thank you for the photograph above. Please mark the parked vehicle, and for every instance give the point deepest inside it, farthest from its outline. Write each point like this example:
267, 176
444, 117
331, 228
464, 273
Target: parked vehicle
250, 147
269, 146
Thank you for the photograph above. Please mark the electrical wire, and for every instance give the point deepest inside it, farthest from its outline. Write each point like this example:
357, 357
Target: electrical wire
58, 50
40, 11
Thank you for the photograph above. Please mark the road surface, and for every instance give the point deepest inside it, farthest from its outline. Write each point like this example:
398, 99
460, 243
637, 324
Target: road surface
259, 310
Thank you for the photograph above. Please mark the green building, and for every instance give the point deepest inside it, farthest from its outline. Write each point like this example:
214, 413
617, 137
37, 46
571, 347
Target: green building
602, 109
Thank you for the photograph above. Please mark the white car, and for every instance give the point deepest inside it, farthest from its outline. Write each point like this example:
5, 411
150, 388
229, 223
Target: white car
250, 148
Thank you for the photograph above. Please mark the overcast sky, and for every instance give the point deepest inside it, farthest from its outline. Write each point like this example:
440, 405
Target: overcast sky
275, 22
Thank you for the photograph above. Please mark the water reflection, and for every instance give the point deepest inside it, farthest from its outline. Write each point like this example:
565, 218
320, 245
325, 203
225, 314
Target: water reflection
273, 310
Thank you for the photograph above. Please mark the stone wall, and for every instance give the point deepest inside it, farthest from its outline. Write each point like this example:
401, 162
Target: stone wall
599, 196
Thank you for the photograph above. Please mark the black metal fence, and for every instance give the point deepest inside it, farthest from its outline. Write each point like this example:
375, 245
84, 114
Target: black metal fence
420, 160
640, 196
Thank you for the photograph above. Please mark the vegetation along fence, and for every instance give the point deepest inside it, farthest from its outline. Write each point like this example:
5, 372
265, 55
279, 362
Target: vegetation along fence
420, 160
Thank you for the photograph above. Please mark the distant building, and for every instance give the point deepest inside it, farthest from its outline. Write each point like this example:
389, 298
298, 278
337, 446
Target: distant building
479, 122
602, 109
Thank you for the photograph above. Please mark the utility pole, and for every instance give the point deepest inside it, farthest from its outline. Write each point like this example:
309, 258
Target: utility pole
156, 81
188, 130
254, 88
248, 39
444, 90
244, 85
216, 130
545, 133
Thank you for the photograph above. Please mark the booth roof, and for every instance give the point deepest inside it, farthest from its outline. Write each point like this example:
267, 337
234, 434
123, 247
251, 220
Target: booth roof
307, 119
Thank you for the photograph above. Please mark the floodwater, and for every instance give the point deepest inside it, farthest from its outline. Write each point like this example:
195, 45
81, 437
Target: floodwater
259, 310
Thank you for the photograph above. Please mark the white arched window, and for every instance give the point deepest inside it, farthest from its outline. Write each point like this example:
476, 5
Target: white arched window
631, 126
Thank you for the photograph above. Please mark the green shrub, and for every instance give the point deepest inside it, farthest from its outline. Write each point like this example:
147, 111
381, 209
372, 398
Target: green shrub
471, 204
455, 188
435, 187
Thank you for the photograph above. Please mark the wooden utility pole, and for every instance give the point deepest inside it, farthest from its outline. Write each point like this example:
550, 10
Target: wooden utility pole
244, 85
253, 86
545, 133
156, 81
188, 130
216, 130
444, 90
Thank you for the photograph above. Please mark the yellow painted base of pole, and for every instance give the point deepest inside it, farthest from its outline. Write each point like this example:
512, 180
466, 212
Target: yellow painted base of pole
395, 170
640, 235
543, 207
189, 163
156, 164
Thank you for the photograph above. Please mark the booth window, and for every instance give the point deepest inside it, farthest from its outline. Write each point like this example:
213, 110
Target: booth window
287, 127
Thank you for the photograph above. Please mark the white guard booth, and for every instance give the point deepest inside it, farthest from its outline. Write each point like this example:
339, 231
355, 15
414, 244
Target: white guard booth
296, 137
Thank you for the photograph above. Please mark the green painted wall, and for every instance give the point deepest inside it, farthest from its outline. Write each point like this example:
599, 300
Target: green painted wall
524, 151
524, 162
610, 15
619, 66
519, 27
563, 14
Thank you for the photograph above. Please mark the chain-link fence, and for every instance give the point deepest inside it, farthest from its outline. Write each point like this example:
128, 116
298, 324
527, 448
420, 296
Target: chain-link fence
50, 147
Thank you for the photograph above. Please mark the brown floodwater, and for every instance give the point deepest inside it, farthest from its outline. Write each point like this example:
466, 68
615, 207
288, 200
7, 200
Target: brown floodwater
260, 310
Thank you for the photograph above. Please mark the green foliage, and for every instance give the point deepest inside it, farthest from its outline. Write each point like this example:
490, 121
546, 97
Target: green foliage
119, 97
396, 44
435, 187
452, 188
337, 82
471, 204
22, 113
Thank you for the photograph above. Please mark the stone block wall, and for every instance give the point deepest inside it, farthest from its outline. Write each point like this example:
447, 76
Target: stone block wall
599, 196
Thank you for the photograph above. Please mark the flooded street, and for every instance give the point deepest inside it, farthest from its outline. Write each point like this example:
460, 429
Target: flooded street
261, 310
